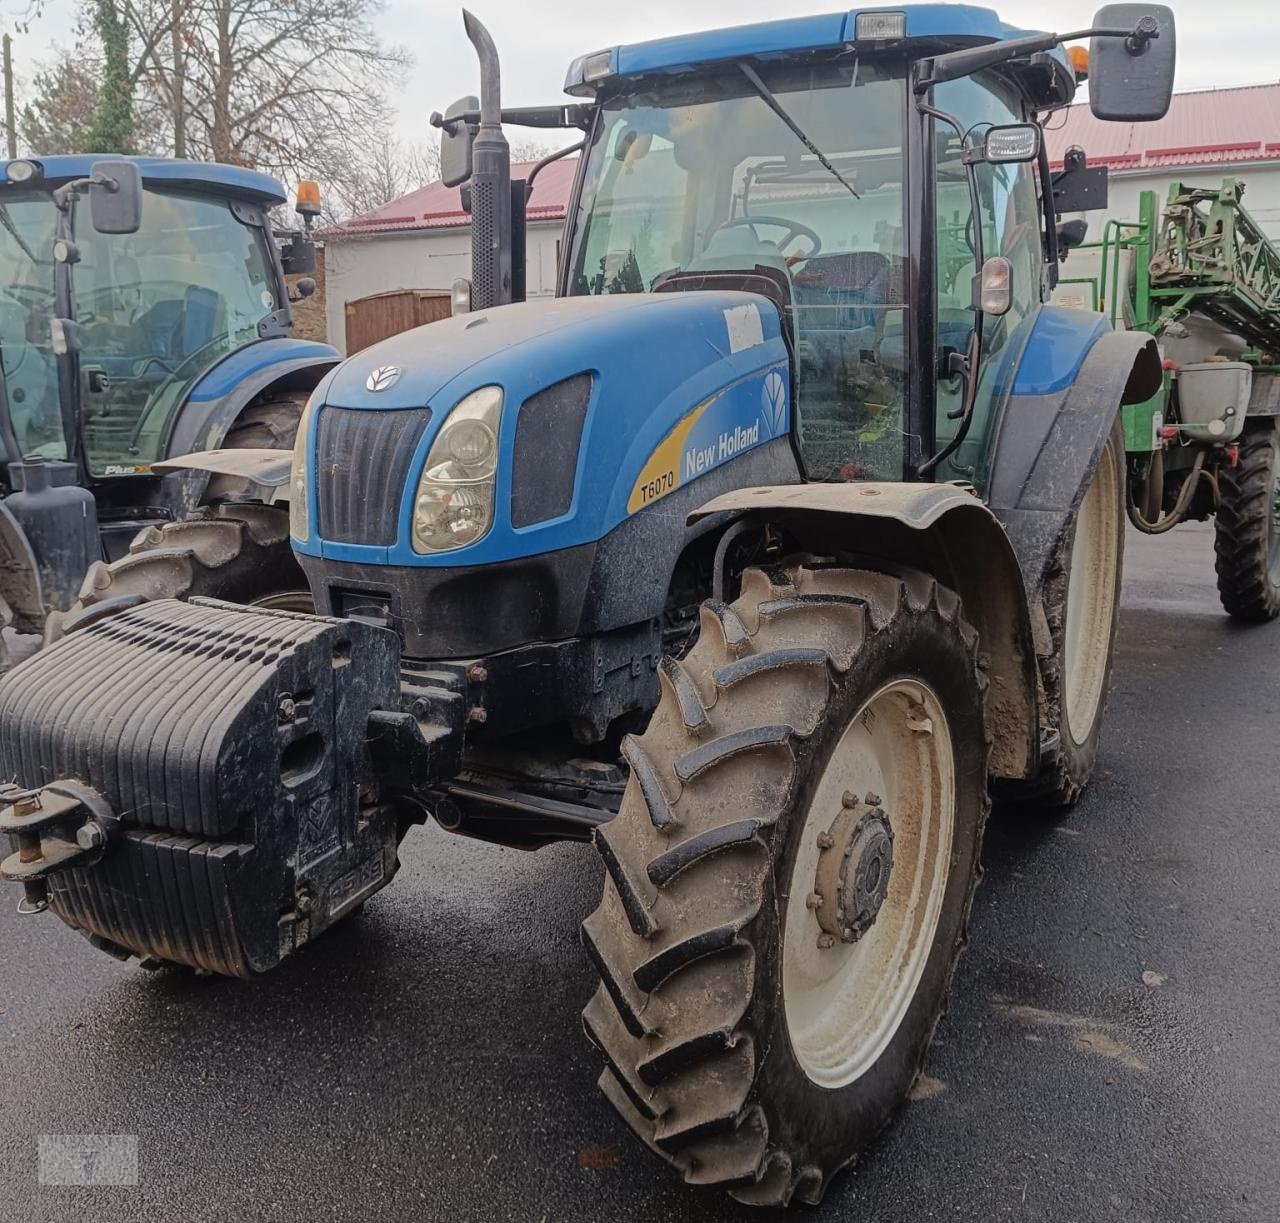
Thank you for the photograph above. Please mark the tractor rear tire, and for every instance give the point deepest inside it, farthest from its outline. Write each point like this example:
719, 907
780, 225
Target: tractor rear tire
825, 726
1247, 528
238, 551
1082, 606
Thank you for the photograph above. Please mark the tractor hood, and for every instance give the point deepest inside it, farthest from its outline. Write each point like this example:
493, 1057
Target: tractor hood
609, 405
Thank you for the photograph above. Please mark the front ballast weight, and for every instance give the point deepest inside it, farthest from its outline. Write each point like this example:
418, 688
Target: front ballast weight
224, 788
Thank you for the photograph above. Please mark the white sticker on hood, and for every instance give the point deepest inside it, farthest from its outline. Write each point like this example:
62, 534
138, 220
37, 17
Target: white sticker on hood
745, 328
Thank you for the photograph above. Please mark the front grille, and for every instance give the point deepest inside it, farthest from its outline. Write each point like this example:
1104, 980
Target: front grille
362, 462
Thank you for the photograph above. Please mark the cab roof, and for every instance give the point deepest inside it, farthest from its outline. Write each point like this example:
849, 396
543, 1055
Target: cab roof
943, 26
204, 176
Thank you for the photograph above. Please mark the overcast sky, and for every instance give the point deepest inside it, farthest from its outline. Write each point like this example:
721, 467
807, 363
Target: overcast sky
1226, 42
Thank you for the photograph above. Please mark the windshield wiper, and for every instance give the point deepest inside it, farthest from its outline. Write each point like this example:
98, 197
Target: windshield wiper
7, 221
774, 105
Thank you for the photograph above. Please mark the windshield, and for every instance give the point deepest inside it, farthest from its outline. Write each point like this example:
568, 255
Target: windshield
26, 306
797, 170
158, 308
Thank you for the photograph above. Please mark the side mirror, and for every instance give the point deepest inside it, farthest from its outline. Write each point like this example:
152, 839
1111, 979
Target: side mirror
1131, 79
298, 255
115, 197
457, 138
1011, 142
1071, 234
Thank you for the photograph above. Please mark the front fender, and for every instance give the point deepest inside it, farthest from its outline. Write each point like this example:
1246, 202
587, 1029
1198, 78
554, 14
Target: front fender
1048, 444
283, 364
946, 531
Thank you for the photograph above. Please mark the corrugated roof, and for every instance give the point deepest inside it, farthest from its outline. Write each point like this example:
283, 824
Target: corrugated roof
1205, 128
436, 206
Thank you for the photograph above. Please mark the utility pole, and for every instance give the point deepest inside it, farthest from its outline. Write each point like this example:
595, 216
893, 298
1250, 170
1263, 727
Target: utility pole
10, 126
179, 83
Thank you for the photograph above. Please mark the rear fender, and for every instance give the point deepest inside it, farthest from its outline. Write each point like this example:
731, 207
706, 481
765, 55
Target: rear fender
1048, 446
946, 531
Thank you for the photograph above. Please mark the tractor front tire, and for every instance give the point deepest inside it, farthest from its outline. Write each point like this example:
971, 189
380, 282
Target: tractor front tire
1247, 528
788, 880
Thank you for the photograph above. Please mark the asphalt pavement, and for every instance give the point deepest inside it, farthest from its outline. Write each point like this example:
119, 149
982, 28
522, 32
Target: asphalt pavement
1112, 1049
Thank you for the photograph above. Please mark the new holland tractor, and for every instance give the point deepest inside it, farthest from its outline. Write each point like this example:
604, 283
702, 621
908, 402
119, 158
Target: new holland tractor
790, 526
159, 328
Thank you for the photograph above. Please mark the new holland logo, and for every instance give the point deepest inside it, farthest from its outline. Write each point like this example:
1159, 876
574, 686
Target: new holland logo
382, 377
773, 397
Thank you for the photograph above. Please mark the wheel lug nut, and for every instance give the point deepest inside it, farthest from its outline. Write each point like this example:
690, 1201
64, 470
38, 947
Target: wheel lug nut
825, 840
826, 941
813, 900
872, 799
850, 799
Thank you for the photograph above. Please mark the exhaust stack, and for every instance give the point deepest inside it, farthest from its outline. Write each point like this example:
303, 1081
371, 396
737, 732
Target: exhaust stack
492, 239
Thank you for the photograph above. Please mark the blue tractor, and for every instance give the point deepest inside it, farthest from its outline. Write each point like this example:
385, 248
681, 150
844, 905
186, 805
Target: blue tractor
763, 552
159, 328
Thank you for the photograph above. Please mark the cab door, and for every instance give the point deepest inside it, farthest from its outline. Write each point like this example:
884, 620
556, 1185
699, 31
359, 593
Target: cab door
1010, 221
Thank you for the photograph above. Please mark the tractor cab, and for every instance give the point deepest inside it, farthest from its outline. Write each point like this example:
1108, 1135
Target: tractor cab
104, 334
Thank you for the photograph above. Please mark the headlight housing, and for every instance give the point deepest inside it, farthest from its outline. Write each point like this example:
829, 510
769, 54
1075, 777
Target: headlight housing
299, 503
453, 504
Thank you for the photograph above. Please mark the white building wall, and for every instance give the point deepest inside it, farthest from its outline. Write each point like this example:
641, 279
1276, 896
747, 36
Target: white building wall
424, 259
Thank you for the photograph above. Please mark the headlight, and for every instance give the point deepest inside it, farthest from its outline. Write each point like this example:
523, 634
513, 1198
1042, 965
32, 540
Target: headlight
453, 506
299, 507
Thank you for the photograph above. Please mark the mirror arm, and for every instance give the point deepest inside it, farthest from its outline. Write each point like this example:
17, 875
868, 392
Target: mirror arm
956, 64
566, 118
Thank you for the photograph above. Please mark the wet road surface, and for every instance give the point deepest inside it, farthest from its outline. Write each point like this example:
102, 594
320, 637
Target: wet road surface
1112, 1049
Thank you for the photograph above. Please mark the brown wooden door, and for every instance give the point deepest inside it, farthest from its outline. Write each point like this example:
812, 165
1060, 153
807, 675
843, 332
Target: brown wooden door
370, 319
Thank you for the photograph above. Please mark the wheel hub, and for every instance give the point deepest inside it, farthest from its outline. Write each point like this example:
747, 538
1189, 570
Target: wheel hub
852, 878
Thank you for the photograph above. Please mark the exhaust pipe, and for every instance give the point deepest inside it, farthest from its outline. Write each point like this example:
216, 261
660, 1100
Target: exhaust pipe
492, 239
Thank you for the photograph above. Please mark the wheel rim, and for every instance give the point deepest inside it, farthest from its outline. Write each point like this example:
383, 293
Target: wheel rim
1273, 523
287, 600
844, 1001
1091, 595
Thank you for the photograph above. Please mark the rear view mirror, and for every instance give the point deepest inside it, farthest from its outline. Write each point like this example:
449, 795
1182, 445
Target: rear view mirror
297, 255
1010, 143
457, 137
1131, 79
115, 197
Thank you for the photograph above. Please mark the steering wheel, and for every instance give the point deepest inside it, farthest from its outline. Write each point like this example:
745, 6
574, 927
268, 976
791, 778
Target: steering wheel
794, 230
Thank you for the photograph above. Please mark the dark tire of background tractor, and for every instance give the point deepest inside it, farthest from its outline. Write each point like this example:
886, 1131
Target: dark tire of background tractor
1064, 780
233, 550
691, 1014
1247, 527
237, 552
267, 424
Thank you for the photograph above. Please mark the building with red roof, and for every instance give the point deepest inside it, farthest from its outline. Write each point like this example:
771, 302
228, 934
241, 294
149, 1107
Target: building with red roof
422, 242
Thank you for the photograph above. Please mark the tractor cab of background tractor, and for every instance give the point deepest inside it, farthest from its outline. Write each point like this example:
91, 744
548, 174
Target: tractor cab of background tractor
133, 291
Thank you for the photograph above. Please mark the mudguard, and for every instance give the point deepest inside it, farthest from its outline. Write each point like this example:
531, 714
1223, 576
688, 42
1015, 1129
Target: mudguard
225, 391
946, 531
1048, 444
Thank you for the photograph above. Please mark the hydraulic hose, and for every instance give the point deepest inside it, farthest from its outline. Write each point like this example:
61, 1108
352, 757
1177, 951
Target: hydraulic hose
1175, 515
